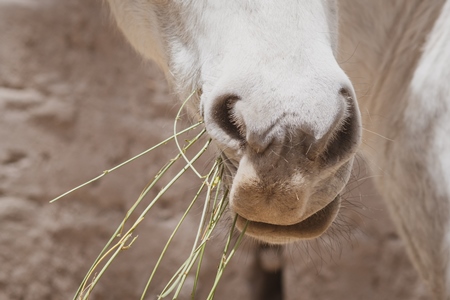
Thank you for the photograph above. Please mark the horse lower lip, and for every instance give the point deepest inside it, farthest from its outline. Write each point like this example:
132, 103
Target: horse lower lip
309, 228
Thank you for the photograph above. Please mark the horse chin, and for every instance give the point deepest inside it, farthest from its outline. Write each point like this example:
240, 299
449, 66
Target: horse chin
310, 228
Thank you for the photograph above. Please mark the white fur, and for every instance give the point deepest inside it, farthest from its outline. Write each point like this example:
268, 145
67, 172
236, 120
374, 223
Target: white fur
401, 68
428, 113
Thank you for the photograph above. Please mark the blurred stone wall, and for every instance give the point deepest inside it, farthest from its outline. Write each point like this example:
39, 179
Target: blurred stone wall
76, 100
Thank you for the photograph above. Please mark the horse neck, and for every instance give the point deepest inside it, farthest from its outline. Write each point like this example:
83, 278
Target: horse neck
380, 44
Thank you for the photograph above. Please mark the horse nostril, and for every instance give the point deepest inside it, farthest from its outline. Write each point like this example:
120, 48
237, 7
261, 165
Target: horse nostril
345, 139
224, 116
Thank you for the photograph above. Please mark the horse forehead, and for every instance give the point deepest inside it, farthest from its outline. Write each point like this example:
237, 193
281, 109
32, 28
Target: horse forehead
248, 7
251, 16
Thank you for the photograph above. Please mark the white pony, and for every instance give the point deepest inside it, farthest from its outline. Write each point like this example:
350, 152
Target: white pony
276, 101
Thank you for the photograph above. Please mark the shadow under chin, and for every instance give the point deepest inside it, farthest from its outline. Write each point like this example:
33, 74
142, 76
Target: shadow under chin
310, 228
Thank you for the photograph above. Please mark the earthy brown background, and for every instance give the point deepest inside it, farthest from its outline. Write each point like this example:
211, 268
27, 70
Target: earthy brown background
76, 100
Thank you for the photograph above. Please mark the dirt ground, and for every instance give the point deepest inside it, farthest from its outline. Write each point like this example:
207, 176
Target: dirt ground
76, 100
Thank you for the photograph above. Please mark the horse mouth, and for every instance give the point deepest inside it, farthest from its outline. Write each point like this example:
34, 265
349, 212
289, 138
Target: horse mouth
310, 228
